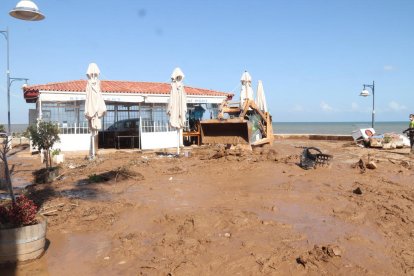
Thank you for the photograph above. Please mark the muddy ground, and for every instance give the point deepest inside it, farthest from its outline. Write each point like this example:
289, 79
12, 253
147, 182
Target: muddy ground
226, 212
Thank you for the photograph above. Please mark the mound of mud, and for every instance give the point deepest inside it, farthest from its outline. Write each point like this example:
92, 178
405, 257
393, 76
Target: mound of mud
240, 153
319, 254
122, 173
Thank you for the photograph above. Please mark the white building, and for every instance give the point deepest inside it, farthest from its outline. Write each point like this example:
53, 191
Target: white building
136, 115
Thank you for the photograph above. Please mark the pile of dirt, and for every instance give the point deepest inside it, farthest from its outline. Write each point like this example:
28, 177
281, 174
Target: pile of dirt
240, 153
324, 254
46, 175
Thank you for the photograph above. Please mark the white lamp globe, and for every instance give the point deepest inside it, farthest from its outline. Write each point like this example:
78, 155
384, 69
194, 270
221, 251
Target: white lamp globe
27, 10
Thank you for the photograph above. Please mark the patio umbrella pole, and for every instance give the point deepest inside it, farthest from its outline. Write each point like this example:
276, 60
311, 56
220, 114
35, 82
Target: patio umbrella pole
92, 145
178, 141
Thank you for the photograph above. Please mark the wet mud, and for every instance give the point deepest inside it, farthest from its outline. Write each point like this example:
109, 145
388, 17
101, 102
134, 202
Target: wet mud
227, 211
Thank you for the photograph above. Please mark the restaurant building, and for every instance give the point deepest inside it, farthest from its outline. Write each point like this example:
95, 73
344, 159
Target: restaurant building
136, 112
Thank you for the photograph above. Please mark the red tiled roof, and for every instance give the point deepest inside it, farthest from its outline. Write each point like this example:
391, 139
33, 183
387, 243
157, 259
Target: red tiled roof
32, 92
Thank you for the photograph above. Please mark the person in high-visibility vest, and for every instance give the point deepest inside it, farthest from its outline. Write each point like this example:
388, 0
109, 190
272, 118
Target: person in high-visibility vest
410, 132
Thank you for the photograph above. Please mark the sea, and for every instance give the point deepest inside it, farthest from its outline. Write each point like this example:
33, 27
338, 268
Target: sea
336, 128
16, 128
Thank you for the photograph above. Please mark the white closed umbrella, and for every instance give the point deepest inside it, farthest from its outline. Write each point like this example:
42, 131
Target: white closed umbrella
95, 106
246, 89
260, 97
177, 106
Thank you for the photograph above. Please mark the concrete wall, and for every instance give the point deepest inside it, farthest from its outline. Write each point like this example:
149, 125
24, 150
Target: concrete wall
159, 140
73, 142
20, 141
331, 137
149, 140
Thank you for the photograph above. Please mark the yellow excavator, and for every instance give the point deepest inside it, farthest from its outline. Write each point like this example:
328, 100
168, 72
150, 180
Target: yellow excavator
238, 125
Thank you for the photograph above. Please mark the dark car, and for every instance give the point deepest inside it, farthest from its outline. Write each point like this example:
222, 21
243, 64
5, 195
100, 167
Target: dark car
122, 134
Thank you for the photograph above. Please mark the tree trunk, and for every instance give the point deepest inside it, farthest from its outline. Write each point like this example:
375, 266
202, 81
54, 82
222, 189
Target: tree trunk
8, 179
48, 159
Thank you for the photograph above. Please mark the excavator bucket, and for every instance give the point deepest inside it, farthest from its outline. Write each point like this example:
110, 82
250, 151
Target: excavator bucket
248, 125
229, 131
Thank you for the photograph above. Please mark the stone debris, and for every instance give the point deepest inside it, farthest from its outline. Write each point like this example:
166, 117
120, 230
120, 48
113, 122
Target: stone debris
371, 165
360, 165
319, 254
405, 164
357, 191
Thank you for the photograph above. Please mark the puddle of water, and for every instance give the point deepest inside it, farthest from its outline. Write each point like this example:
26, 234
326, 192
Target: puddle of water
319, 228
401, 179
172, 194
5, 196
71, 254
85, 193
20, 183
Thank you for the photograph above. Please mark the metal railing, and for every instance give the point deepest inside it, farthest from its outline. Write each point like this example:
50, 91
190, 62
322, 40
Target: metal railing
155, 126
74, 128
147, 126
160, 126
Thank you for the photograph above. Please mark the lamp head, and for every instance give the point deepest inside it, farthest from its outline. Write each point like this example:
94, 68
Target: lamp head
27, 10
364, 93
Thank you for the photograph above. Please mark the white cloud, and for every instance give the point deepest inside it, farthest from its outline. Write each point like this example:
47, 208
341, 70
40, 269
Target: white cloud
297, 108
394, 106
326, 107
354, 106
389, 68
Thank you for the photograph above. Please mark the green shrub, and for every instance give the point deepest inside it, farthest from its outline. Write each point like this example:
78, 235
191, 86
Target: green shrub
95, 178
44, 135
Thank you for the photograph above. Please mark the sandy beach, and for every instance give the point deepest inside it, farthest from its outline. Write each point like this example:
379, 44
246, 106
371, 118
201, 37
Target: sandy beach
226, 212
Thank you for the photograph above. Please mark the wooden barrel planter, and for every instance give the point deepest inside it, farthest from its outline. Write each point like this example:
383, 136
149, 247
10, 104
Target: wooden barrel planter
23, 243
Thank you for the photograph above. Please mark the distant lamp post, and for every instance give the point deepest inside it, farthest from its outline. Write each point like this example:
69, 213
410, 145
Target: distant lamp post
365, 93
27, 10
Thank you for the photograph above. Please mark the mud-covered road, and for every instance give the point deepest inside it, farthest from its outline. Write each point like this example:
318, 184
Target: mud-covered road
227, 212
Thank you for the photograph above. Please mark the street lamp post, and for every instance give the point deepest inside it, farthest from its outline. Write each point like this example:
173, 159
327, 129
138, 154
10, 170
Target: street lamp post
365, 93
6, 36
9, 80
24, 10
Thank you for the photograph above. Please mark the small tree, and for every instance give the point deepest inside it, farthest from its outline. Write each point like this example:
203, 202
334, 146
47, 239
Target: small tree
44, 135
2, 129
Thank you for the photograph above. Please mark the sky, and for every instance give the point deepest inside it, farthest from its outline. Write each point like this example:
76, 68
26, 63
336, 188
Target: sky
313, 56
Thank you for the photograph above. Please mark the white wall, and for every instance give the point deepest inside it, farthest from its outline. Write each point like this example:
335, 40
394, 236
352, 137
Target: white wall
73, 142
149, 140
159, 140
